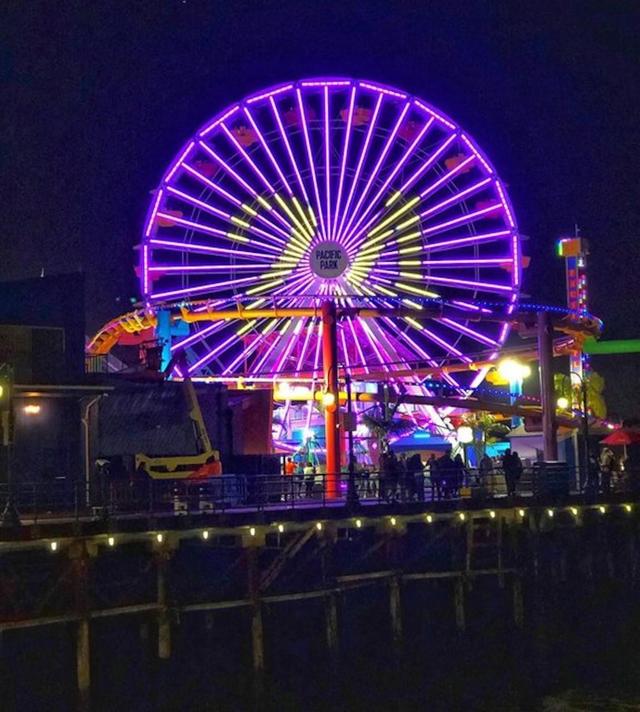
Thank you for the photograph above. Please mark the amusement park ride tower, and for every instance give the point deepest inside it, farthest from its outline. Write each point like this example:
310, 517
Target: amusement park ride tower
574, 250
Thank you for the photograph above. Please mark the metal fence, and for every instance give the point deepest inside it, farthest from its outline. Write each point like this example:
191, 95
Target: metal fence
65, 499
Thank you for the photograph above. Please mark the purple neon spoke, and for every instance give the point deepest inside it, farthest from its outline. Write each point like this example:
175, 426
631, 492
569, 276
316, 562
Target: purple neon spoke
254, 346
374, 173
195, 247
363, 155
463, 219
443, 180
252, 191
234, 200
198, 335
469, 284
309, 328
356, 341
456, 198
427, 164
205, 268
199, 203
248, 159
456, 242
255, 371
314, 178
360, 236
203, 288
247, 351
268, 151
345, 152
287, 144
360, 191
356, 232
207, 358
207, 230
230, 171
468, 331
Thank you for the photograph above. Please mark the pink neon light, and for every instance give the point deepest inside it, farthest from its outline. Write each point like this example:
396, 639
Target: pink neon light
363, 155
433, 113
178, 163
145, 268
269, 94
345, 151
345, 83
218, 121
476, 153
388, 92
305, 131
152, 216
456, 198
505, 204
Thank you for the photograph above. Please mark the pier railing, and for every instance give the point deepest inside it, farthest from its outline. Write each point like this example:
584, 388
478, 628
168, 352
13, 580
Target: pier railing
68, 499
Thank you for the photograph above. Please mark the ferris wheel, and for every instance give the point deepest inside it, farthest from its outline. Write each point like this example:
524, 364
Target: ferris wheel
335, 189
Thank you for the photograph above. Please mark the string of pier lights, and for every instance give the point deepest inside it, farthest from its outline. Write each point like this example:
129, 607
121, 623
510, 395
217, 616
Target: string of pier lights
519, 514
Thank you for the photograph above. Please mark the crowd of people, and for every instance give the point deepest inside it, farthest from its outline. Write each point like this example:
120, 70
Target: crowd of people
406, 478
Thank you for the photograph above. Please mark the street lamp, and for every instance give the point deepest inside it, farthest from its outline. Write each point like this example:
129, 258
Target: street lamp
514, 372
562, 403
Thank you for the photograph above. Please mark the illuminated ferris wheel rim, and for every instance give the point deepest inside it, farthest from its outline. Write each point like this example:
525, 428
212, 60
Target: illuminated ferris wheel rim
329, 228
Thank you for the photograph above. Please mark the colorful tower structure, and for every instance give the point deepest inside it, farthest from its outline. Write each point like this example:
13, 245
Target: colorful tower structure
574, 250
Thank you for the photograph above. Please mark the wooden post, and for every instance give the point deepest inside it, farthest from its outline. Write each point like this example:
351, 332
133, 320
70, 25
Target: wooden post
395, 611
518, 605
257, 630
331, 616
458, 599
164, 622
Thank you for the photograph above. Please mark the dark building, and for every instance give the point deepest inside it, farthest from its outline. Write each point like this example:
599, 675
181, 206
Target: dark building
42, 342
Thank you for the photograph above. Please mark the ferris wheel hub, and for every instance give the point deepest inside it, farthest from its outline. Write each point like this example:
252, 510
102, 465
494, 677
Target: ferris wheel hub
328, 259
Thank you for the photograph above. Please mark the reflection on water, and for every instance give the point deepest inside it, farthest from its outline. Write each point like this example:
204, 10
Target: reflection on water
580, 701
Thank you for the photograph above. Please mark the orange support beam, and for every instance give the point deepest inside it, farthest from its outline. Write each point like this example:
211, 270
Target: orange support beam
331, 402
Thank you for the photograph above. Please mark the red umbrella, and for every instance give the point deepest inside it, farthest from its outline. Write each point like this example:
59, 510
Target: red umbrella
622, 437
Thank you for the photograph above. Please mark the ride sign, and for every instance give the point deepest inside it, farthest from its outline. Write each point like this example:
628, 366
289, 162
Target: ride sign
329, 260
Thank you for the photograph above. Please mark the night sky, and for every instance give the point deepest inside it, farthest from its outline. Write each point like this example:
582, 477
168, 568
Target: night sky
98, 96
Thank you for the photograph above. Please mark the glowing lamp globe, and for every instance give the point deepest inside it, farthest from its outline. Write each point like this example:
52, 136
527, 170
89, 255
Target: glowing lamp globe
464, 434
